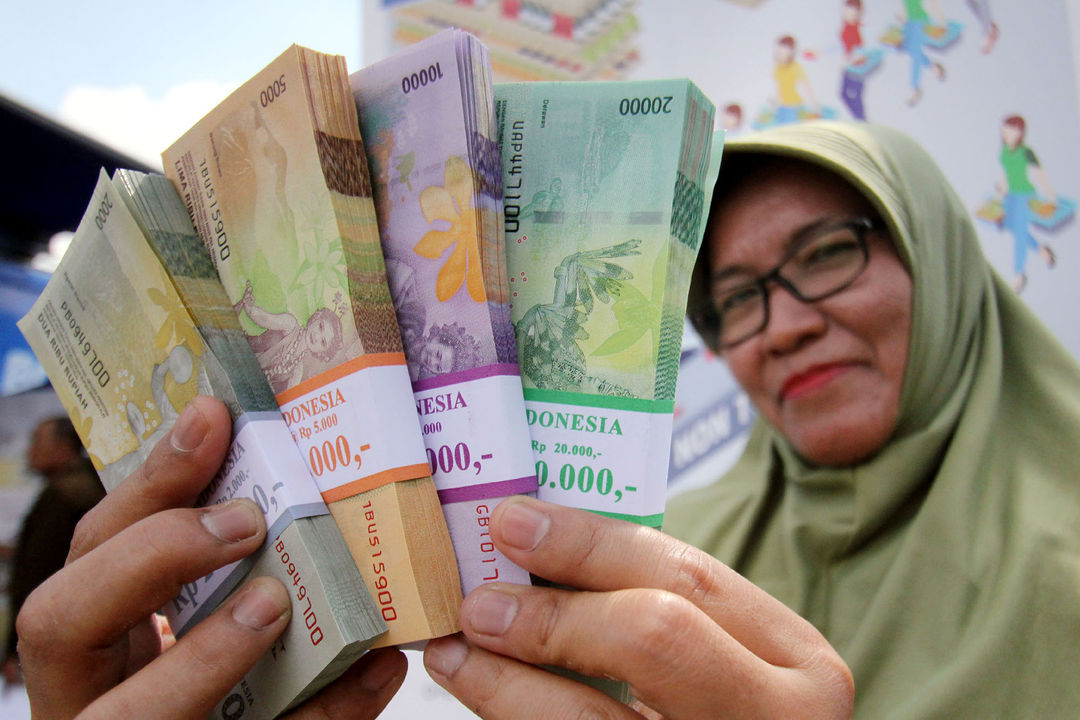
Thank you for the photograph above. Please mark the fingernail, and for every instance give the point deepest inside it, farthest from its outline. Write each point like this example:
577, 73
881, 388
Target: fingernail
232, 521
523, 526
260, 605
492, 611
445, 655
380, 675
189, 430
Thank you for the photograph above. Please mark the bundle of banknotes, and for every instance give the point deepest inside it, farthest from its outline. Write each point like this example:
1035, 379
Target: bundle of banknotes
126, 353
277, 183
428, 120
418, 294
606, 189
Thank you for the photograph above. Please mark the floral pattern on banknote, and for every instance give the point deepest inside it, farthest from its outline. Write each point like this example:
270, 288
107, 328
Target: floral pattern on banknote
452, 203
549, 334
636, 314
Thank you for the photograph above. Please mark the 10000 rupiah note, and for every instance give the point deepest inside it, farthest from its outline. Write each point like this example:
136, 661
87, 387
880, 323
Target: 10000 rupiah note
276, 182
125, 358
605, 188
427, 118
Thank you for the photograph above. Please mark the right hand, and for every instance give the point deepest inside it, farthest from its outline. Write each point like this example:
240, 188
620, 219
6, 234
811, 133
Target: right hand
89, 641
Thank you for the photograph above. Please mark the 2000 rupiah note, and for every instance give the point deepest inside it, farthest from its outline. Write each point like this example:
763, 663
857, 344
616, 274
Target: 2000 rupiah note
125, 357
605, 199
276, 183
427, 118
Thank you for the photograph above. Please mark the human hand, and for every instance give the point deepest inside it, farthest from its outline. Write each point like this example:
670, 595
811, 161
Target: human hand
692, 637
89, 641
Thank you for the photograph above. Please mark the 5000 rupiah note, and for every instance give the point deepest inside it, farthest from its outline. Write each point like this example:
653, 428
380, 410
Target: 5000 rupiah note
427, 118
276, 182
125, 358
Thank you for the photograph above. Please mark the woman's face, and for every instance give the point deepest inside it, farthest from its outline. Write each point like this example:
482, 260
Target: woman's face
826, 374
1010, 134
320, 334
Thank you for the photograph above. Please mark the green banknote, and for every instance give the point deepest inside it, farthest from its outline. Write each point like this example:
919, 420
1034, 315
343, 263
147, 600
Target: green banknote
605, 188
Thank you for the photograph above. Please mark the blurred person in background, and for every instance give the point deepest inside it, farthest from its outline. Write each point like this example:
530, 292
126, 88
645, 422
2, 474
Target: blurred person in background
71, 488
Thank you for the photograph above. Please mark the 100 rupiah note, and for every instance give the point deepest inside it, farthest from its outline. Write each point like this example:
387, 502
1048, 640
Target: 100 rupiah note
276, 182
125, 358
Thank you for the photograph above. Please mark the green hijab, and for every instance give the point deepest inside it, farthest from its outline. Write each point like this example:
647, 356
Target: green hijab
946, 569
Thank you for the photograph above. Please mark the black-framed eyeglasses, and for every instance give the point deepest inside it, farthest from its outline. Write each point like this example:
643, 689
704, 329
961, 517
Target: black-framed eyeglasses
819, 265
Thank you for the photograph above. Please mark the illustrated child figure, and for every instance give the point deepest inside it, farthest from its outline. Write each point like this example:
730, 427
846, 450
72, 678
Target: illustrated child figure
916, 20
1019, 165
287, 352
448, 348
851, 86
789, 76
732, 117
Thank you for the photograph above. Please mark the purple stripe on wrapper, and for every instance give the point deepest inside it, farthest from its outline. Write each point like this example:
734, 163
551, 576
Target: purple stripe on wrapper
466, 375
517, 486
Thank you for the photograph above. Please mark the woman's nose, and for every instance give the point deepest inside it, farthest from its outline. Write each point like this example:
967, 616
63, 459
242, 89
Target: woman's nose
792, 322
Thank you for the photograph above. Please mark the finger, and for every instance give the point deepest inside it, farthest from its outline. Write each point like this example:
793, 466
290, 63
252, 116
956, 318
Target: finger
190, 679
496, 687
71, 626
675, 657
176, 471
590, 552
361, 692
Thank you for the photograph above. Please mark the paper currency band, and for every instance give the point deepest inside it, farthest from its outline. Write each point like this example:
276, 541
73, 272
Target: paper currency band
466, 375
371, 482
346, 368
486, 491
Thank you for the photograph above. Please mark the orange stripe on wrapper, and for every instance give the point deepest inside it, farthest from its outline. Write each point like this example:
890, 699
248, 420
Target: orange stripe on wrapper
345, 368
371, 482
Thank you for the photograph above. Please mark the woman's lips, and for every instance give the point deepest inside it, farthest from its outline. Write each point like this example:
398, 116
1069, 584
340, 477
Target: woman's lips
811, 379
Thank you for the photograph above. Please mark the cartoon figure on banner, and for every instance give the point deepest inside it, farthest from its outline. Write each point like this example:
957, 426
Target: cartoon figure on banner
989, 28
1017, 206
287, 351
788, 105
859, 61
917, 32
731, 119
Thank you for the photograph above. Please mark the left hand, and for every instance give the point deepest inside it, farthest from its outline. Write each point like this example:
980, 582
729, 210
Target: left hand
692, 637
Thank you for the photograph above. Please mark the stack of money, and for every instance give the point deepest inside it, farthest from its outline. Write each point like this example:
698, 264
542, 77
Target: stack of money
276, 182
538, 39
126, 356
427, 117
605, 188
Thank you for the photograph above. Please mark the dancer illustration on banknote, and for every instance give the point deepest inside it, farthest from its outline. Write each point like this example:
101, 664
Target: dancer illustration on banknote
287, 351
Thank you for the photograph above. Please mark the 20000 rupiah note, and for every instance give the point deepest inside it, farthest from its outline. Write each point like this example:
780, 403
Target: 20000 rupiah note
125, 357
605, 188
276, 182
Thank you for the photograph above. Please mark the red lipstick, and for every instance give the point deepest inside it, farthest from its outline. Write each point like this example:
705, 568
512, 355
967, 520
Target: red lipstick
811, 379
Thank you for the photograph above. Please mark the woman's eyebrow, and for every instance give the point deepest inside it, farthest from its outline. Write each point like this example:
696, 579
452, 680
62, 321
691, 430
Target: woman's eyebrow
790, 243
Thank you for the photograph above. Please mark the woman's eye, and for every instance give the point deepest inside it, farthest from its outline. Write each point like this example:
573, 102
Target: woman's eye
830, 251
736, 299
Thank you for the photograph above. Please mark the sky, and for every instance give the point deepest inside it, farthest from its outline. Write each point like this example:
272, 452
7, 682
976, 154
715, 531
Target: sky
137, 75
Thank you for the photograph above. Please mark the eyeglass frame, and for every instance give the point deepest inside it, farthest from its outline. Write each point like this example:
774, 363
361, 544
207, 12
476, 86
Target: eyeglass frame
709, 317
